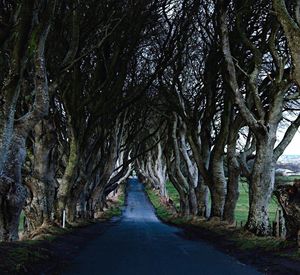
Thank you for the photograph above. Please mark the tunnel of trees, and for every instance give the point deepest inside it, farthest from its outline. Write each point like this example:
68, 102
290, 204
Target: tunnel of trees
193, 91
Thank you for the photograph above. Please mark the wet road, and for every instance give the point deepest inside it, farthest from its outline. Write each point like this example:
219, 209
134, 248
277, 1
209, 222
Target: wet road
139, 244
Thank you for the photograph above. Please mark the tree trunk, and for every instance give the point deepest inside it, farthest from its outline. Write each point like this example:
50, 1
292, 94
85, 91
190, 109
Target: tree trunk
261, 185
68, 178
202, 190
289, 199
202, 193
218, 185
232, 194
12, 191
193, 203
184, 205
71, 210
74, 198
292, 33
180, 178
217, 189
10, 90
160, 170
192, 171
42, 183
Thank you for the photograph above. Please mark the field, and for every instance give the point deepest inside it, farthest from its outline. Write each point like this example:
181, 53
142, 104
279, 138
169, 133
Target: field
242, 208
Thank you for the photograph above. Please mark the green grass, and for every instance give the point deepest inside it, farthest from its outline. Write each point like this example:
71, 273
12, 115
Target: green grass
115, 209
21, 222
264, 243
173, 194
242, 208
161, 210
112, 212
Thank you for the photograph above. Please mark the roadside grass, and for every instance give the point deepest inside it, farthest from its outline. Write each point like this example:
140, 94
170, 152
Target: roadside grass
248, 241
21, 222
19, 257
241, 239
115, 206
161, 210
24, 256
173, 194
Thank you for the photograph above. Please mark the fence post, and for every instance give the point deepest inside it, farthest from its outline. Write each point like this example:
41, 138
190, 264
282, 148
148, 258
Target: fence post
64, 219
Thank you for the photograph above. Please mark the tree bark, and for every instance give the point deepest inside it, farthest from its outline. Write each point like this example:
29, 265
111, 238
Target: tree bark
42, 183
289, 199
202, 193
68, 177
232, 193
261, 185
216, 167
292, 31
234, 171
13, 197
11, 86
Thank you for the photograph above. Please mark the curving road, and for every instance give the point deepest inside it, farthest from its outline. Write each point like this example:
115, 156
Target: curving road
140, 244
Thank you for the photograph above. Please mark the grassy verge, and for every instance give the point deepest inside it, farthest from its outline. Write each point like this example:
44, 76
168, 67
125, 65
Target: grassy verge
115, 205
237, 237
165, 213
17, 258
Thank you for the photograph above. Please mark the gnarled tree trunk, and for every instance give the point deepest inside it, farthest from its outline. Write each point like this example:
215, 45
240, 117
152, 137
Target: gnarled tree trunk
234, 171
289, 199
13, 192
68, 178
261, 185
42, 182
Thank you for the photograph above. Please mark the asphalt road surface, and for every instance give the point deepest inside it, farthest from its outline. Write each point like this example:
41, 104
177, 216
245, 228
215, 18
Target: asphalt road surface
140, 244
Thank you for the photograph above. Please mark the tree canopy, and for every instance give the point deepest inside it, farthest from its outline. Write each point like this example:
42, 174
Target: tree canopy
190, 91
